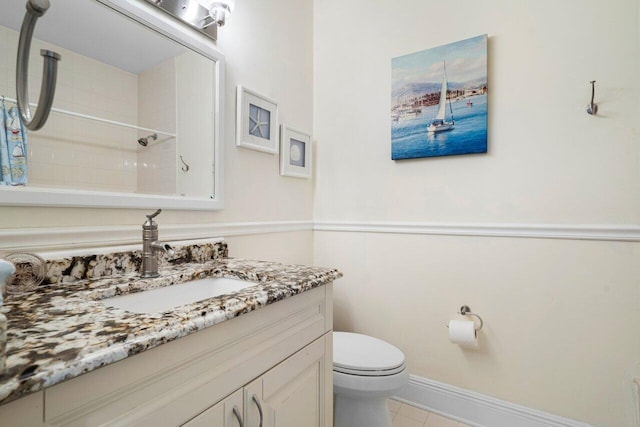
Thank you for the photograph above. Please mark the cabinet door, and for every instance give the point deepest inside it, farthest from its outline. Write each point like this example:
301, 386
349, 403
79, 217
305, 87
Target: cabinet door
292, 394
24, 412
227, 413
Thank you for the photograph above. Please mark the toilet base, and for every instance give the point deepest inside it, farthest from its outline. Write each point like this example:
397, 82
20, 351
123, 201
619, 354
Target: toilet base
350, 412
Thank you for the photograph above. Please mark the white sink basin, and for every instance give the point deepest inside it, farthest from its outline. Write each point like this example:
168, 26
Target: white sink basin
168, 297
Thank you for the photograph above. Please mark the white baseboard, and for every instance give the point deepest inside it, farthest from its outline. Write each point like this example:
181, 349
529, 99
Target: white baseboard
476, 409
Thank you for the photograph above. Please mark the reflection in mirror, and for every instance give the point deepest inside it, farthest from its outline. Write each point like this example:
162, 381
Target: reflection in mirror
129, 103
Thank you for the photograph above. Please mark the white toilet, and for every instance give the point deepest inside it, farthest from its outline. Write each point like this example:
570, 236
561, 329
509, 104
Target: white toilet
366, 371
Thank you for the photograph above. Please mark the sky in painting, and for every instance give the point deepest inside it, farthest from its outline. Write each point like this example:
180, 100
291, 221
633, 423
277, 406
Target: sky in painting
466, 61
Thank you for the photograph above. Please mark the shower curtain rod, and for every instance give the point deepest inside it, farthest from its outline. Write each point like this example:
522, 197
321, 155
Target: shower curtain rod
97, 119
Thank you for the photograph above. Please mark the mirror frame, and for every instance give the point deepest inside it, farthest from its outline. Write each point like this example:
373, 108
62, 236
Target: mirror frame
158, 21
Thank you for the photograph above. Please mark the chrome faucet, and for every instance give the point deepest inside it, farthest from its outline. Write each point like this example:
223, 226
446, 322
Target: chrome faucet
151, 246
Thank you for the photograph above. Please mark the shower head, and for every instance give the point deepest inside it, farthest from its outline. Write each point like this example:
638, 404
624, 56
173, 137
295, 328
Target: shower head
145, 141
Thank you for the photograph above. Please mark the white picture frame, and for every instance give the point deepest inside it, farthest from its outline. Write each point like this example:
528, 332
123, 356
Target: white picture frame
295, 153
256, 121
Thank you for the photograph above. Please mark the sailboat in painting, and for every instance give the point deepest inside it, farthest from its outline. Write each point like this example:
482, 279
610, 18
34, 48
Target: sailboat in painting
439, 123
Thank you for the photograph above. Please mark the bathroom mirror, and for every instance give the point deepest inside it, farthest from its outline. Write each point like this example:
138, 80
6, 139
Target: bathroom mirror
136, 117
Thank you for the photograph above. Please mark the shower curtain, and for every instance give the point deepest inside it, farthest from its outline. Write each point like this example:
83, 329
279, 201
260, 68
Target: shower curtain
13, 147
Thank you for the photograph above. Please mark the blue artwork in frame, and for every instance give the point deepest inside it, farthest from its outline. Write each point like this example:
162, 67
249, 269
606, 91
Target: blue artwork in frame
439, 101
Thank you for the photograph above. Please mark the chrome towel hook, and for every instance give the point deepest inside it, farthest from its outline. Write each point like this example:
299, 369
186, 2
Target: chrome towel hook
465, 310
592, 108
35, 9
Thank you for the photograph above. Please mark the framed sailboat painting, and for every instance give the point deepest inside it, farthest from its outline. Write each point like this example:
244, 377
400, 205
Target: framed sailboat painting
439, 101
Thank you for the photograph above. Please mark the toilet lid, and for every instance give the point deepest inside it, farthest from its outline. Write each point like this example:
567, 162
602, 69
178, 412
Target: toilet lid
364, 355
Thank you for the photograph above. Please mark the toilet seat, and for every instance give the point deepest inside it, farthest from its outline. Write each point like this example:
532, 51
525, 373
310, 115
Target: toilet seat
363, 373
362, 355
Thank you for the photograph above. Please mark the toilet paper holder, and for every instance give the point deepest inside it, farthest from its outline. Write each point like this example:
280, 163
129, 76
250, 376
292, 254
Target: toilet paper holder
466, 311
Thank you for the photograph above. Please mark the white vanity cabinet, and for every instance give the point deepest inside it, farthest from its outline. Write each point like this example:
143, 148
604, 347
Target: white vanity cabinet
228, 413
288, 395
281, 354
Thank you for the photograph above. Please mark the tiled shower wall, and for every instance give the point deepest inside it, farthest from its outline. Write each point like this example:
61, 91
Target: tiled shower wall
72, 152
157, 110
167, 102
78, 153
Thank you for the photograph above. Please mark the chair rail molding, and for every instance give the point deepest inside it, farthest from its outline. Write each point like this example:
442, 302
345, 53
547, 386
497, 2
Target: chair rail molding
606, 232
54, 238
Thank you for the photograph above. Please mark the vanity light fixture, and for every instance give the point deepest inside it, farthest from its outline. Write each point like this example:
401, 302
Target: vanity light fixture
203, 15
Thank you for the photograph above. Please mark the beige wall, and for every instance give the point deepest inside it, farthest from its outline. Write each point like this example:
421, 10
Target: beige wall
254, 191
290, 247
562, 317
548, 160
269, 49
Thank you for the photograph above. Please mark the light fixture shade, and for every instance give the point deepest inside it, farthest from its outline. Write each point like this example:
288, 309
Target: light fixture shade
231, 4
220, 10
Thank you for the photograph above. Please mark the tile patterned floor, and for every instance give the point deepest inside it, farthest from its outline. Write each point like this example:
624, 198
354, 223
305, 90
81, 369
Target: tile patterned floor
409, 416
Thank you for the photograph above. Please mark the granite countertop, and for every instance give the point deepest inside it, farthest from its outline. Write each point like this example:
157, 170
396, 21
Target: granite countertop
63, 330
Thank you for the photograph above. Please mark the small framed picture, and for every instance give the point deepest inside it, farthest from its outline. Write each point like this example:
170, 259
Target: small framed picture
256, 121
295, 153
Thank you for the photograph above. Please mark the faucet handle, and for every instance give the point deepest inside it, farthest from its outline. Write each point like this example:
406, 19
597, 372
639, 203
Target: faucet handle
149, 222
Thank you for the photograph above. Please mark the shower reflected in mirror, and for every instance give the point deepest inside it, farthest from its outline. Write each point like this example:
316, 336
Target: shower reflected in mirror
145, 141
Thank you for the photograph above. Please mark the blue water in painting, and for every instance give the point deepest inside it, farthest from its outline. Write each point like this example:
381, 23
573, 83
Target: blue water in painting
410, 139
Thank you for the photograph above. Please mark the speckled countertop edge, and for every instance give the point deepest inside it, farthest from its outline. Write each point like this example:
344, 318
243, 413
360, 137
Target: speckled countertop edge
62, 331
